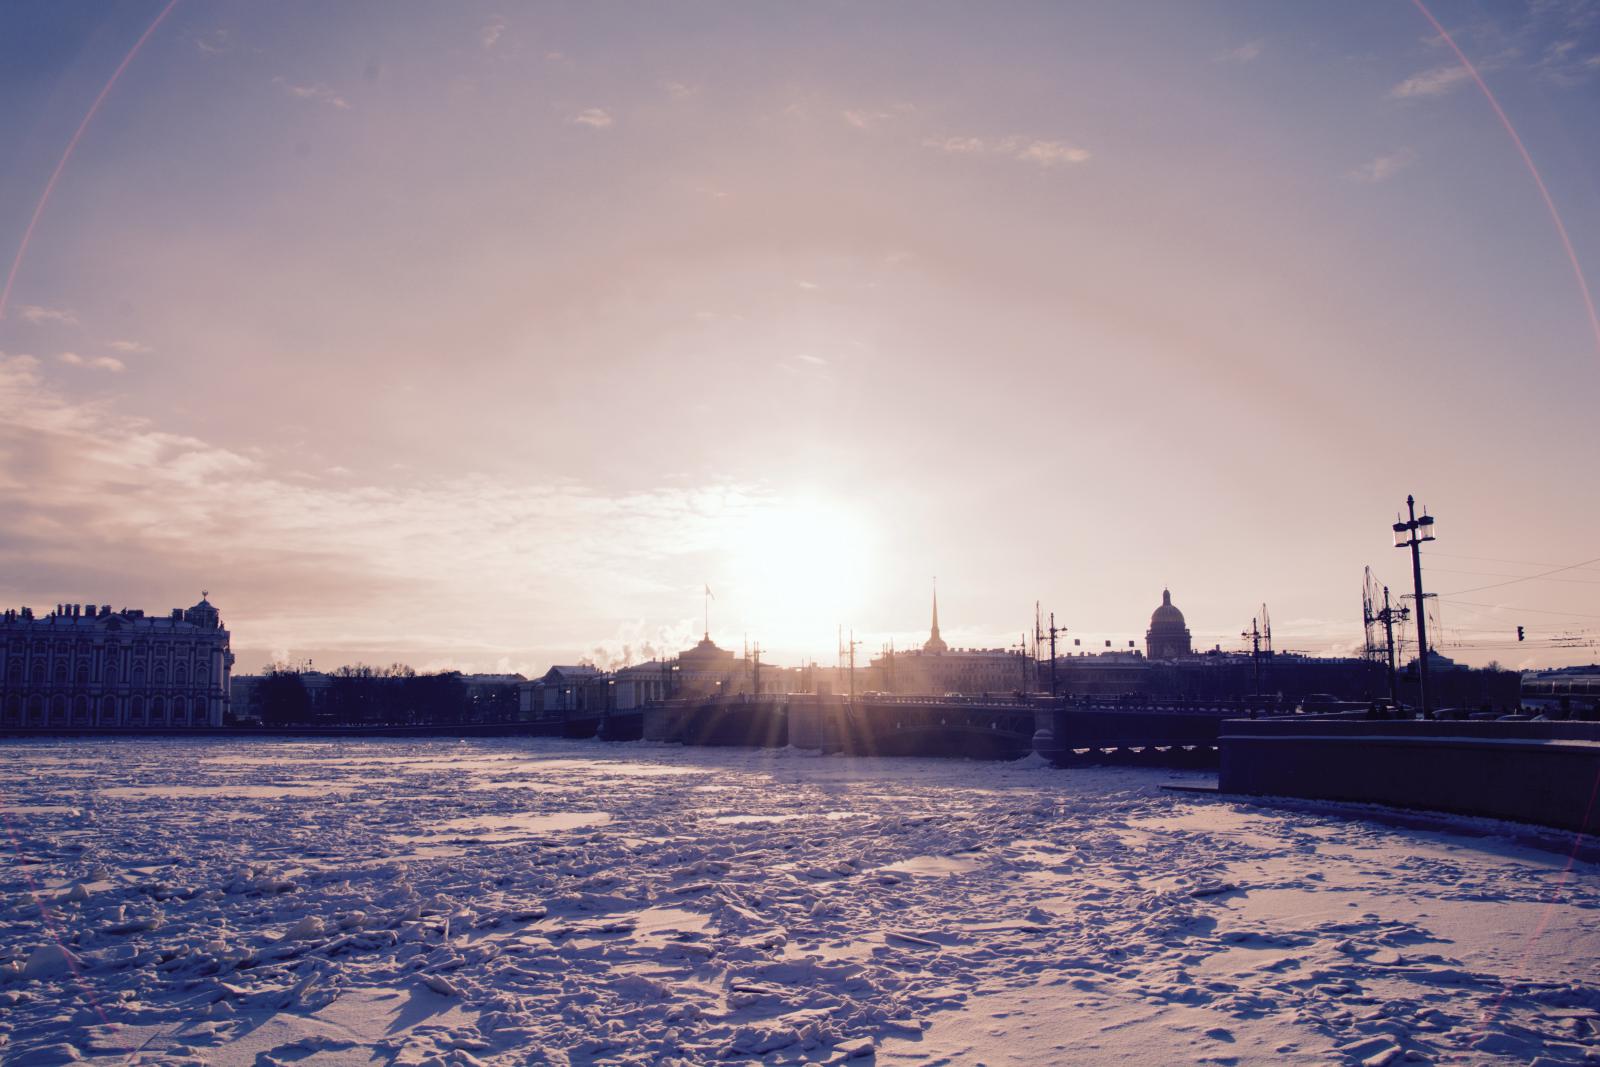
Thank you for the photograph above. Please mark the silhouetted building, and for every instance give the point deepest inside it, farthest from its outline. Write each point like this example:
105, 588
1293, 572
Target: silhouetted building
936, 669
1168, 637
83, 665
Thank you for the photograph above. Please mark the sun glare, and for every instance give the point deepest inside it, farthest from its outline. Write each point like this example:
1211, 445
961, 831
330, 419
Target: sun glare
798, 569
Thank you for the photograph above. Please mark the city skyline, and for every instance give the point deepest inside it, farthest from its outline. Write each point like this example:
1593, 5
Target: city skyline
486, 339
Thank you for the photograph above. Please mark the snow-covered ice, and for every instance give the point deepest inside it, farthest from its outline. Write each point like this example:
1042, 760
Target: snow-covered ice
540, 901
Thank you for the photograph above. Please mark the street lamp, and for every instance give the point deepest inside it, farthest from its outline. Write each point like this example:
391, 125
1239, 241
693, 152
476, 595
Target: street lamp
1410, 534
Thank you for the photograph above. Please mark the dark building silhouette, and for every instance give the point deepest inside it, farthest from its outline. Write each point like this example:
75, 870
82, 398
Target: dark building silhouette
1168, 637
83, 665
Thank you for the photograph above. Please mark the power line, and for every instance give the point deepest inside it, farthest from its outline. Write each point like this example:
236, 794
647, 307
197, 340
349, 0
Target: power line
1497, 559
1529, 578
1513, 607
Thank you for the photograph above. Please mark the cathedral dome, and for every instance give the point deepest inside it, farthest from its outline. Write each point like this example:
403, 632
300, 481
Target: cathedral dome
1168, 637
1167, 614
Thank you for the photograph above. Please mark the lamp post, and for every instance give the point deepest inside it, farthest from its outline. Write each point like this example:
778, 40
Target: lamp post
1410, 534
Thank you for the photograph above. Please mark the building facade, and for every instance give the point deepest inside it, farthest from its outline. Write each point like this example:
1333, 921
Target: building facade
88, 666
1168, 637
936, 669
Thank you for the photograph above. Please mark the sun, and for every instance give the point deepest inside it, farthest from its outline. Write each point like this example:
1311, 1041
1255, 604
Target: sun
799, 568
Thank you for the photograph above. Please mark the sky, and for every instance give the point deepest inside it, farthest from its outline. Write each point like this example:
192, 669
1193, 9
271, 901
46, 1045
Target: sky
490, 336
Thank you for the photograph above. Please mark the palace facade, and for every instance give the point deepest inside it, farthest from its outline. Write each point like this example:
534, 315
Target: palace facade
88, 666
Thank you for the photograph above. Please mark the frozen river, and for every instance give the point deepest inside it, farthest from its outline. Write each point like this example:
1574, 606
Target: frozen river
511, 901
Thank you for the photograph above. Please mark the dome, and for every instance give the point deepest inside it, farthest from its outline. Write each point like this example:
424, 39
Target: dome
1166, 614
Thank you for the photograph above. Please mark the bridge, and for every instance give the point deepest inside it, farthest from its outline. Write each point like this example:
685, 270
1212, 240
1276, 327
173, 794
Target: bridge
1060, 730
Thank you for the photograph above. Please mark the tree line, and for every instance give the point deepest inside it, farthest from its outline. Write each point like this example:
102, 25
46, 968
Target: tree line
360, 695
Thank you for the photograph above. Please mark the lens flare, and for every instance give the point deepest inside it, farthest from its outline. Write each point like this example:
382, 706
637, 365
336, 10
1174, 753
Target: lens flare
55, 175
1522, 150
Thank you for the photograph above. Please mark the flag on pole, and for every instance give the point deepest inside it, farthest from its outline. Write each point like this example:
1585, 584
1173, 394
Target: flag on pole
710, 594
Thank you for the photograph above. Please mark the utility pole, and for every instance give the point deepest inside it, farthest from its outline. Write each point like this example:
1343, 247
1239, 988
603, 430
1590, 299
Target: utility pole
1022, 660
1387, 616
755, 670
1411, 534
1254, 634
849, 648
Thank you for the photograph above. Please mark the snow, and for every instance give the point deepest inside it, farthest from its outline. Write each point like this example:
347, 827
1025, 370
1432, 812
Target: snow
541, 901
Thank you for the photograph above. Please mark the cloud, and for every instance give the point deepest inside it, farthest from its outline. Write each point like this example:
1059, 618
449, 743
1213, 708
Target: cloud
956, 145
1437, 81
35, 314
331, 559
108, 363
320, 93
492, 31
596, 118
215, 43
1051, 153
1569, 62
862, 119
679, 90
133, 347
1042, 153
1245, 53
1382, 168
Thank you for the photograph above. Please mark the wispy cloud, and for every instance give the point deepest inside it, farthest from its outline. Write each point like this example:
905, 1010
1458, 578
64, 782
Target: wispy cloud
1382, 168
318, 93
215, 43
679, 90
1040, 152
861, 119
1245, 53
1569, 61
596, 118
133, 347
492, 31
140, 500
36, 314
108, 363
1436, 81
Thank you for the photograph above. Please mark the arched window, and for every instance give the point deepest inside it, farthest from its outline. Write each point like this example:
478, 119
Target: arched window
61, 673
200, 676
14, 707
158, 711
180, 675
180, 711
161, 674
136, 711
36, 710
108, 711
83, 674
58, 710
111, 672
80, 709
37, 675
138, 676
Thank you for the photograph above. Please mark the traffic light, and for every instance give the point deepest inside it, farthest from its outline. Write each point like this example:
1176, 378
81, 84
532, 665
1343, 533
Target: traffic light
1519, 633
